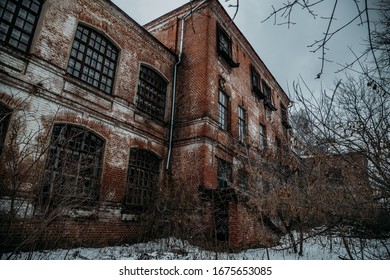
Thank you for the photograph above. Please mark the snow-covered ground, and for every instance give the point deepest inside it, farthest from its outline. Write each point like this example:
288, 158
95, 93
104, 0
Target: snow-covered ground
314, 248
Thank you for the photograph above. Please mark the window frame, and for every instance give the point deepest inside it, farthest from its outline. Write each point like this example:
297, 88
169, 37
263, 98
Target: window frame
20, 23
242, 123
142, 179
268, 101
256, 83
151, 92
224, 174
71, 146
225, 51
223, 110
93, 59
263, 136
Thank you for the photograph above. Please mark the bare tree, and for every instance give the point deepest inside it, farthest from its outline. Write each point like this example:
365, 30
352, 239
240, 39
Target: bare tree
42, 181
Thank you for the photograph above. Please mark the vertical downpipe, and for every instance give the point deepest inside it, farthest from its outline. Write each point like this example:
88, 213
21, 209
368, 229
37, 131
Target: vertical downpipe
179, 57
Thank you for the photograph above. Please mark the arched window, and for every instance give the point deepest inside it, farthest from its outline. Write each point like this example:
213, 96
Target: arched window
5, 115
142, 178
74, 163
18, 19
93, 59
151, 93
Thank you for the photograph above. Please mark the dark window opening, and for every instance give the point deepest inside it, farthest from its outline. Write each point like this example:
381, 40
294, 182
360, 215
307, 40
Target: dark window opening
279, 151
241, 124
74, 163
284, 116
5, 116
151, 93
18, 20
223, 110
263, 137
93, 59
256, 83
224, 47
224, 174
142, 179
268, 102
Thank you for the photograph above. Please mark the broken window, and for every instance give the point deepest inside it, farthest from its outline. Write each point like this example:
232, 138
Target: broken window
151, 93
256, 83
268, 102
241, 124
93, 59
142, 179
18, 20
5, 115
224, 174
74, 163
223, 110
263, 137
224, 47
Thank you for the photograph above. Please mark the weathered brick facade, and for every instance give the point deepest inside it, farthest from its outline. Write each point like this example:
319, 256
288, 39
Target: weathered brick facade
40, 86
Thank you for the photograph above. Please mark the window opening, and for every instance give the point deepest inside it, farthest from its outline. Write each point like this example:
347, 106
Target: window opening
18, 20
151, 93
93, 59
142, 179
223, 110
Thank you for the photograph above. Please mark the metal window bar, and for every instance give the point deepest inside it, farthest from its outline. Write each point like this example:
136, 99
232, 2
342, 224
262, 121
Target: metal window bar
241, 124
142, 178
151, 94
18, 20
223, 110
73, 165
93, 59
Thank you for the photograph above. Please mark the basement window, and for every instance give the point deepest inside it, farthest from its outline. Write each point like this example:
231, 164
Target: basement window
18, 20
224, 47
74, 164
93, 59
142, 179
5, 115
151, 93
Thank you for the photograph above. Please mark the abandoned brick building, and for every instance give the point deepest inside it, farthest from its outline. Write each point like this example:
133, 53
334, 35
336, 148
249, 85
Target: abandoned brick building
107, 120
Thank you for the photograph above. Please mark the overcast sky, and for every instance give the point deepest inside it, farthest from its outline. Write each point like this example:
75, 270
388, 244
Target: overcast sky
284, 50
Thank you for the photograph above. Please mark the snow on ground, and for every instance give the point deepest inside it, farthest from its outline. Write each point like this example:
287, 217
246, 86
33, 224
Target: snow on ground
314, 248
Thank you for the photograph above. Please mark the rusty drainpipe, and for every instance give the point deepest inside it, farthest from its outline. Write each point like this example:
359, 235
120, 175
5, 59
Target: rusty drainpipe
175, 82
